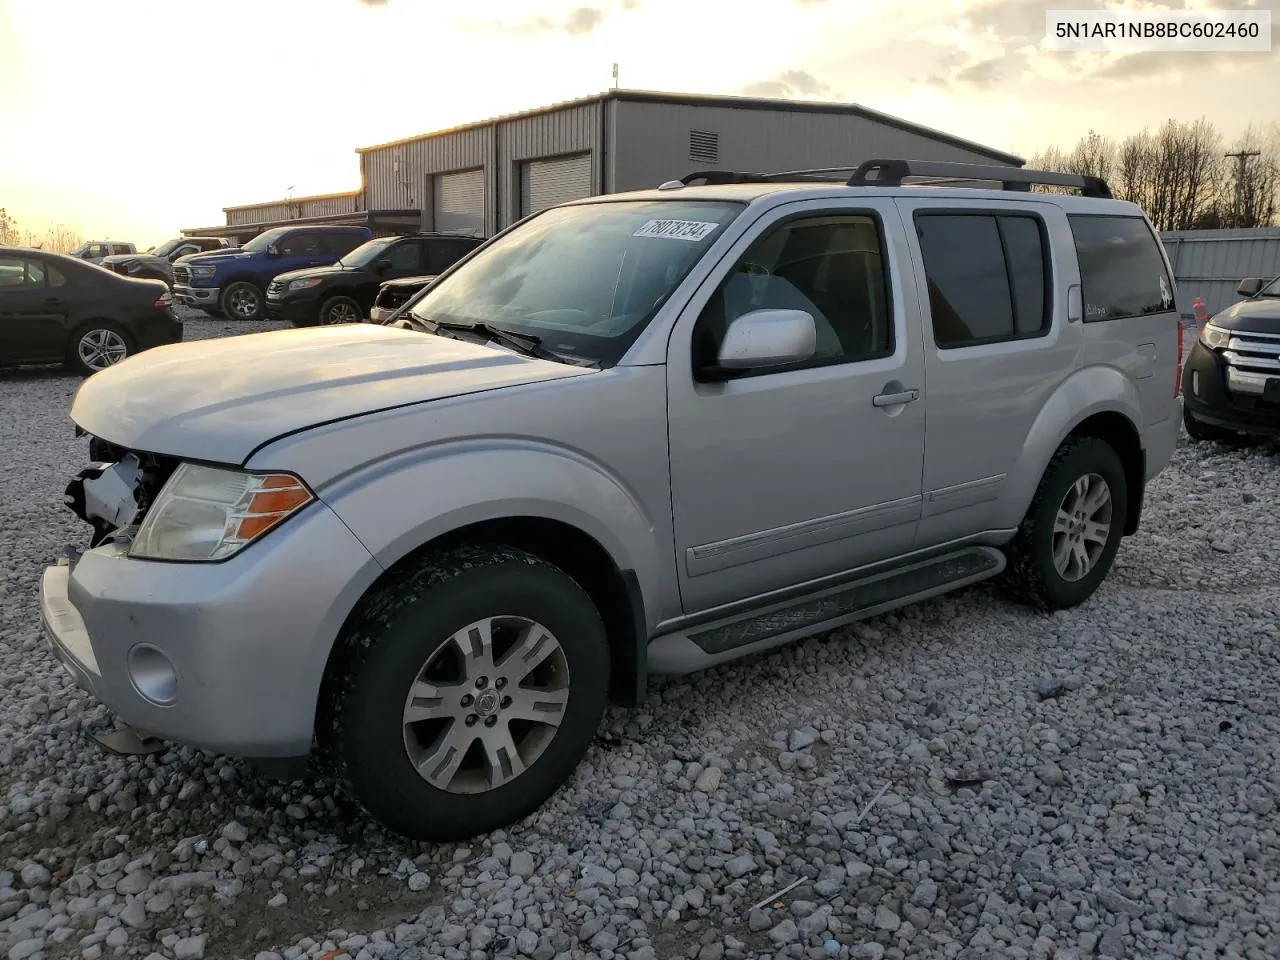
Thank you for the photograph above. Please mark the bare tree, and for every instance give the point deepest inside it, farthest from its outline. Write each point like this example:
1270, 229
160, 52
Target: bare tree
1250, 189
1094, 156
8, 227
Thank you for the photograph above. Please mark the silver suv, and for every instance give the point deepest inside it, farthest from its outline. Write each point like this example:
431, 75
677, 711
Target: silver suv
637, 433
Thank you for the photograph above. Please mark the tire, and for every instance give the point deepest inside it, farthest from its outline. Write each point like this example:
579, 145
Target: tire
340, 309
96, 345
242, 301
1204, 432
1033, 575
368, 741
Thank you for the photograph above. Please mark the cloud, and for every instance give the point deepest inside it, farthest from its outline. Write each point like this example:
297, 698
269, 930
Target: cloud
373, 3
789, 84
579, 22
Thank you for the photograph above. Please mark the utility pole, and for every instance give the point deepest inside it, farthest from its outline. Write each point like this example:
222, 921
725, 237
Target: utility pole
1241, 158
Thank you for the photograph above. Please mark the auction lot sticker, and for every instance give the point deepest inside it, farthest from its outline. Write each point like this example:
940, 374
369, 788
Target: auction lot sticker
692, 230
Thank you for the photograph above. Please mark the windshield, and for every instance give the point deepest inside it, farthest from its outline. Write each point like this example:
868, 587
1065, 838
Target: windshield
583, 279
165, 248
264, 240
1272, 289
366, 253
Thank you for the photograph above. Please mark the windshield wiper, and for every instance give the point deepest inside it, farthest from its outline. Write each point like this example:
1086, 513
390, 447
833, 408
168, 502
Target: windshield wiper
526, 343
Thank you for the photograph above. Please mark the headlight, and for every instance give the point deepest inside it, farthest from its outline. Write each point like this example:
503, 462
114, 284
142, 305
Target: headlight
1214, 337
203, 271
212, 513
304, 284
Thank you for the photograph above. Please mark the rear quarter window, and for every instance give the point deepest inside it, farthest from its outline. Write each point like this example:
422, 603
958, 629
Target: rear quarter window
1122, 272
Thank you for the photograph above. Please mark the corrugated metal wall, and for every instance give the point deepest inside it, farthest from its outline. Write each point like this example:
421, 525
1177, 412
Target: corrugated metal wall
543, 136
652, 142
1211, 263
292, 210
419, 161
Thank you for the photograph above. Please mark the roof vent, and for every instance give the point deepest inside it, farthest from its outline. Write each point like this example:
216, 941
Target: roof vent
704, 147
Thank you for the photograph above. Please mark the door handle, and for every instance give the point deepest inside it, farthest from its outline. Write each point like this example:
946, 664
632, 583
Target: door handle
893, 399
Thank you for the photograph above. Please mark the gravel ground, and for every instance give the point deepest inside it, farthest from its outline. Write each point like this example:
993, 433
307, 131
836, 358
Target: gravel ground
962, 779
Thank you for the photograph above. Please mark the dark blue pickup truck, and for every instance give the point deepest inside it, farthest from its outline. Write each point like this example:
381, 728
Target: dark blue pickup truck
234, 282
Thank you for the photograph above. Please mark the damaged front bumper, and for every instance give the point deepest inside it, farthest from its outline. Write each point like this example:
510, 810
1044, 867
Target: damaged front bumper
228, 656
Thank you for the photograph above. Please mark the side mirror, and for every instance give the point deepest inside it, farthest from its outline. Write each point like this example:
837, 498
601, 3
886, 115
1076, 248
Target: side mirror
1250, 287
273, 250
768, 338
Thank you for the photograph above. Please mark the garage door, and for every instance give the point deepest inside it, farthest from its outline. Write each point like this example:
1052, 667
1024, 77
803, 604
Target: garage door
459, 202
544, 183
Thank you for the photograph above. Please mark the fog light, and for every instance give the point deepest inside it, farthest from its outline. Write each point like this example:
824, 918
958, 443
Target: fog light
153, 675
1195, 382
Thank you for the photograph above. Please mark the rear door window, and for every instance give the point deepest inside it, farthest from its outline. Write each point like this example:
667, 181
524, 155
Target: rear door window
1122, 273
987, 275
405, 257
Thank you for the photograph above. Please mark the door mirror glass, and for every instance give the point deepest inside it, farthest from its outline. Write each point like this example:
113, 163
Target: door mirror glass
768, 338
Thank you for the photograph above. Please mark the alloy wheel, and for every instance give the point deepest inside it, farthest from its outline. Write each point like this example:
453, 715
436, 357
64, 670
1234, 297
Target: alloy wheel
486, 705
1082, 527
101, 348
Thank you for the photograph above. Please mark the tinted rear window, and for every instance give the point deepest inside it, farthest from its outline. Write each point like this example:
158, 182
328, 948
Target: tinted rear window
1122, 273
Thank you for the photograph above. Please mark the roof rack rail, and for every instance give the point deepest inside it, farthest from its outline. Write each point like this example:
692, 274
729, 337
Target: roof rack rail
891, 173
716, 178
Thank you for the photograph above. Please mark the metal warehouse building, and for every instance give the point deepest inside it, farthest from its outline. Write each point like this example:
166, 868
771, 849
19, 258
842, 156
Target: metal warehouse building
482, 177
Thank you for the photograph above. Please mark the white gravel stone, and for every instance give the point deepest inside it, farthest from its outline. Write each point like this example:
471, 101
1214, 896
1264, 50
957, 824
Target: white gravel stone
1125, 804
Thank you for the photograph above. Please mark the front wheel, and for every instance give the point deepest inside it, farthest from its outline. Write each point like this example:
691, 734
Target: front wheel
242, 301
1068, 540
339, 309
466, 694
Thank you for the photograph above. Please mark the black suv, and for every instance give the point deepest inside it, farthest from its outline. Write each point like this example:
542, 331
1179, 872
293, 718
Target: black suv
345, 291
1231, 380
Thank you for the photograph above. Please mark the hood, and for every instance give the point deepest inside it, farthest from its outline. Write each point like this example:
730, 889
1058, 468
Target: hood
214, 256
219, 400
132, 258
409, 281
1258, 316
311, 272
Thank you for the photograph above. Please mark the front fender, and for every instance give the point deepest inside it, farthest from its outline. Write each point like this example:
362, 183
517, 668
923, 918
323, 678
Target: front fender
403, 502
1084, 394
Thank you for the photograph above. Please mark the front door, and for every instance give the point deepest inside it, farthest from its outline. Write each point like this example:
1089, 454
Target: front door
782, 476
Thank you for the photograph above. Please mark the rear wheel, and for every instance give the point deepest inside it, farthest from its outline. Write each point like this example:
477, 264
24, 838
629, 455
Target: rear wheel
467, 693
1068, 540
96, 346
340, 309
1204, 432
242, 301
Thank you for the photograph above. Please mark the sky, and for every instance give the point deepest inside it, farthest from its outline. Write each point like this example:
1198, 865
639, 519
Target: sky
132, 120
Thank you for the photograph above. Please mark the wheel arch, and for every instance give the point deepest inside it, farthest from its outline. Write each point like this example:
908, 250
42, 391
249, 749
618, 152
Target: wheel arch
615, 591
1099, 402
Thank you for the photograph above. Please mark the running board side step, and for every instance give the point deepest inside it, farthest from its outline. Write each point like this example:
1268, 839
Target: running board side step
697, 647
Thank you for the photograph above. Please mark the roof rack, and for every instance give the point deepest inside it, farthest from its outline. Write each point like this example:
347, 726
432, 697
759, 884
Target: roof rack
891, 173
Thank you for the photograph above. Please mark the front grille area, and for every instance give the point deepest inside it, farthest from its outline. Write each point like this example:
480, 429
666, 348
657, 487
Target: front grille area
1254, 352
181, 274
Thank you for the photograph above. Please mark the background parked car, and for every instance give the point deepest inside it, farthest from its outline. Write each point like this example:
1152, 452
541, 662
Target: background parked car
157, 263
394, 294
1231, 380
57, 309
234, 282
345, 292
96, 250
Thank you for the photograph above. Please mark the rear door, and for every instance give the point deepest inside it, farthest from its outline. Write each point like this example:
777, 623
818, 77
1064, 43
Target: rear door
993, 294
303, 249
32, 311
1131, 318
